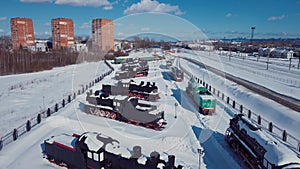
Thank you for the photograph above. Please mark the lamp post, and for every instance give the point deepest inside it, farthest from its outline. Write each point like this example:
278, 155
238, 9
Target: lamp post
200, 151
290, 56
44, 102
166, 90
268, 59
176, 110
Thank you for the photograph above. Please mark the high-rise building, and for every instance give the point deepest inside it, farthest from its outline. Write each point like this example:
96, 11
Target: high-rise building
62, 33
22, 32
103, 35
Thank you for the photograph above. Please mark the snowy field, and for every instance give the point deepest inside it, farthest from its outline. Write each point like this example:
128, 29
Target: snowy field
282, 116
23, 96
181, 137
278, 77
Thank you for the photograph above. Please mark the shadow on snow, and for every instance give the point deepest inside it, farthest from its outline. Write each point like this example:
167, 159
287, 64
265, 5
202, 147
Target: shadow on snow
166, 76
217, 153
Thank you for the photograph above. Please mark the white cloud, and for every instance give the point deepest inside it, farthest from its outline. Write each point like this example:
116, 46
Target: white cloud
85, 25
152, 6
274, 18
228, 14
145, 29
95, 3
92, 3
3, 18
284, 33
121, 35
45, 34
118, 24
36, 1
47, 24
110, 7
1, 30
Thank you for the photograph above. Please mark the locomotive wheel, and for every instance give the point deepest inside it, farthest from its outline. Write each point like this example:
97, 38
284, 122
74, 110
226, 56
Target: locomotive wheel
102, 113
139, 96
113, 116
97, 112
234, 146
107, 114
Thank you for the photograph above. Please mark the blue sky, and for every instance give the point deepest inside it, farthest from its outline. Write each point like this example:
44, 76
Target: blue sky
181, 19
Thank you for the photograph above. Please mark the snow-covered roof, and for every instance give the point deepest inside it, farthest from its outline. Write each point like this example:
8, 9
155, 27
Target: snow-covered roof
208, 97
64, 139
91, 141
119, 97
95, 141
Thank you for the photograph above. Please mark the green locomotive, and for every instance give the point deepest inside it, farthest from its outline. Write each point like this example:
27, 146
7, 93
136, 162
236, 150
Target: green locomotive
201, 97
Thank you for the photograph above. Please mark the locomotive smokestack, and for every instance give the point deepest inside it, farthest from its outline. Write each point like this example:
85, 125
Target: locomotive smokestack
137, 152
142, 83
171, 161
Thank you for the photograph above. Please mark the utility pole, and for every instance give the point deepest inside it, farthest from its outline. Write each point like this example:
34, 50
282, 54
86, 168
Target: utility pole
44, 102
299, 60
268, 59
200, 151
166, 90
229, 53
176, 110
252, 34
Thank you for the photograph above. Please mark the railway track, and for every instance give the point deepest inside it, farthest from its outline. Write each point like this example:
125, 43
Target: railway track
284, 100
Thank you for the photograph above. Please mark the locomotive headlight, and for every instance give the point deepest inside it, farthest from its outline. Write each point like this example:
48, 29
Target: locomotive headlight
160, 121
228, 132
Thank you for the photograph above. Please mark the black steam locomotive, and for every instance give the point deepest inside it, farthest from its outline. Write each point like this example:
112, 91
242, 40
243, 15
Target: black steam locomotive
125, 109
93, 150
147, 92
131, 70
131, 64
258, 148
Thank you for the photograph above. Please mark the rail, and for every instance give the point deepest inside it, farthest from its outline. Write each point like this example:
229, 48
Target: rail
240, 108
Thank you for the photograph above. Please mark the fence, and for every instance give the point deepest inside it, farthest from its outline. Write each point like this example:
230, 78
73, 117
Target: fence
240, 108
287, 80
37, 119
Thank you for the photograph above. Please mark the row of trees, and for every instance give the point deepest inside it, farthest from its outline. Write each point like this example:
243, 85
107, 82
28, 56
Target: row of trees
23, 61
147, 42
250, 47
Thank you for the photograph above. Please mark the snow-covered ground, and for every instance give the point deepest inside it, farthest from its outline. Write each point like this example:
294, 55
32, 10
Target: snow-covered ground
22, 96
181, 137
281, 116
277, 78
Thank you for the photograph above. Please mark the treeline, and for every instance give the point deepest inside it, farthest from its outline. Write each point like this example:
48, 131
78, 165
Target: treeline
147, 43
24, 61
250, 47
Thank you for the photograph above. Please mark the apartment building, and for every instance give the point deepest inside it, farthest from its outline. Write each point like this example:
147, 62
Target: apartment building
103, 35
62, 33
22, 32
